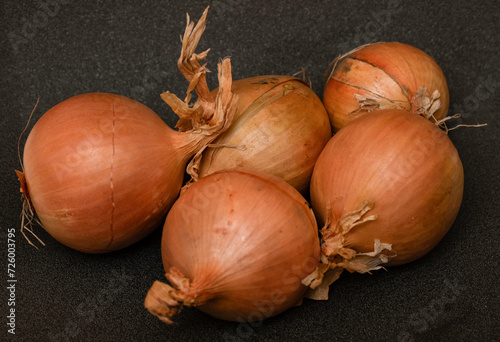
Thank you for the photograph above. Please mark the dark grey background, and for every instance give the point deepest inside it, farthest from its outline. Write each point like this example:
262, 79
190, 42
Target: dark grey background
131, 48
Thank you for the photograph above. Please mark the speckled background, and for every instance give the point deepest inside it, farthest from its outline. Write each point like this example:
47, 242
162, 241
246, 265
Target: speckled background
54, 49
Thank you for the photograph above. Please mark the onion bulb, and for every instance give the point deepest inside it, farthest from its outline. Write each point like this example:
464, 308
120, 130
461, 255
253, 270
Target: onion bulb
280, 128
388, 187
102, 170
236, 245
382, 76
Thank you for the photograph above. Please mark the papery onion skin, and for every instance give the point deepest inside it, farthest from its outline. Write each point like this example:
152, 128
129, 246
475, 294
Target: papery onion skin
406, 166
102, 170
244, 241
391, 70
280, 128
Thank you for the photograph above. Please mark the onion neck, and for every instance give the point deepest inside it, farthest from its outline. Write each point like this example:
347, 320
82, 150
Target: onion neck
204, 126
336, 257
201, 122
165, 301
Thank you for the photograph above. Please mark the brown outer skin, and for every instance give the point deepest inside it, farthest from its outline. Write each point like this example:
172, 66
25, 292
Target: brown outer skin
98, 188
394, 70
284, 138
410, 170
244, 240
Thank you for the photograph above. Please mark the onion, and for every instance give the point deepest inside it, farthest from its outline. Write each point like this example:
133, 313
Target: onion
236, 245
280, 128
388, 187
102, 170
382, 76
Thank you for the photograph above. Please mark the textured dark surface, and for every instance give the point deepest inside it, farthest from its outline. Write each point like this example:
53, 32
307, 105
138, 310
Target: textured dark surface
131, 48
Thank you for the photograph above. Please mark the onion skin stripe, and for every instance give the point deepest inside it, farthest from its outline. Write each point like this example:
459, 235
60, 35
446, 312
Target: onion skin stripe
111, 183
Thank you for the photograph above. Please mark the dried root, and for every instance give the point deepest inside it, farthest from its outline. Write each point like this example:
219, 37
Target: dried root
442, 123
305, 76
165, 301
335, 257
28, 215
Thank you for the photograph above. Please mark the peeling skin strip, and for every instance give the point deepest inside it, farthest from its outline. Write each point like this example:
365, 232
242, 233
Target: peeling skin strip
385, 72
336, 61
335, 258
347, 55
268, 98
425, 104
